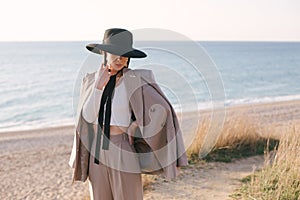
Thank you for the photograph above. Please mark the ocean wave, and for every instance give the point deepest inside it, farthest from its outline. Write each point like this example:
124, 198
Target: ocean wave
233, 102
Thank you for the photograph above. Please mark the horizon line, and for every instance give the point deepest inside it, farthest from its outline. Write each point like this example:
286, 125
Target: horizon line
4, 41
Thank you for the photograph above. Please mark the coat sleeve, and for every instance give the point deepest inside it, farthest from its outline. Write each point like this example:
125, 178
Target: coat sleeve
168, 142
73, 153
180, 147
83, 137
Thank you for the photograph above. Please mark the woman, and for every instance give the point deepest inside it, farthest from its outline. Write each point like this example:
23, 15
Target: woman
113, 169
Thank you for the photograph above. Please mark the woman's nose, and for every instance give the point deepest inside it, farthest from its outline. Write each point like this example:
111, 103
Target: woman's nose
121, 58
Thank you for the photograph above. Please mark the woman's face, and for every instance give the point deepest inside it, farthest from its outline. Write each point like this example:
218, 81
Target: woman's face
115, 62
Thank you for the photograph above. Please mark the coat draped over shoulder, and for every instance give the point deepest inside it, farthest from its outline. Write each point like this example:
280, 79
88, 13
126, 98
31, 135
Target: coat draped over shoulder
158, 125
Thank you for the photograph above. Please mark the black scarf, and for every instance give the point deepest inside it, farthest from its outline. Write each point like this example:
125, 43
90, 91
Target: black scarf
106, 98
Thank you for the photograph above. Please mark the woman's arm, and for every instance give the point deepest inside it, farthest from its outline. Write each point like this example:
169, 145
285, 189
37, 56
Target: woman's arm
92, 105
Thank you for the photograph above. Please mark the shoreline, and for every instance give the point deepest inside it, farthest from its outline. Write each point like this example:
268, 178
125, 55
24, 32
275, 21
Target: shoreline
55, 127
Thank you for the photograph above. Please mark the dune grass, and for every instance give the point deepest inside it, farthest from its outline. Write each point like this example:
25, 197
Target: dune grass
280, 178
239, 138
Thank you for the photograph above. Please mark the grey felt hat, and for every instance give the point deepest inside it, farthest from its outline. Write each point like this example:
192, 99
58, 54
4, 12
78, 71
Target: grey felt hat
117, 41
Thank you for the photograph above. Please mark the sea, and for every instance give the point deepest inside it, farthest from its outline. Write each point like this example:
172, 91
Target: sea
40, 81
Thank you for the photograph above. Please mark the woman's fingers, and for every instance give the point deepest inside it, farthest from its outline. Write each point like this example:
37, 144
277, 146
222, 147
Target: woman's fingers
104, 71
103, 77
102, 68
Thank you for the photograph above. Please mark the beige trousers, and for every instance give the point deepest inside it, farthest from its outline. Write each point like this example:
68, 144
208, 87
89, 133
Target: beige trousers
117, 177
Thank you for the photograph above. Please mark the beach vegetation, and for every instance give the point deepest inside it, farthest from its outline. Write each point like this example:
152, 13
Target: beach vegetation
279, 179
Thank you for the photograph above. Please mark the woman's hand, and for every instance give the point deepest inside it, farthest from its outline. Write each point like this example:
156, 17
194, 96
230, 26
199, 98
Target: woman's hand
103, 78
131, 131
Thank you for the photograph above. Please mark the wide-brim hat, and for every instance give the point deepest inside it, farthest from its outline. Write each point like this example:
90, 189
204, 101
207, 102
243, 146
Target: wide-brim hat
117, 41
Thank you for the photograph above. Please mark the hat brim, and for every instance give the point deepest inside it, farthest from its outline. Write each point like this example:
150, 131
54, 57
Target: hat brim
117, 50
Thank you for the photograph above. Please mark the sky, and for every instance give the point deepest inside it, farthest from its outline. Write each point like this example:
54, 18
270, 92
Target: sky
202, 20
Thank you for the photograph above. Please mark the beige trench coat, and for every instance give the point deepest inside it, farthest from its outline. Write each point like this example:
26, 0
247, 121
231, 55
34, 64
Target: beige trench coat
155, 117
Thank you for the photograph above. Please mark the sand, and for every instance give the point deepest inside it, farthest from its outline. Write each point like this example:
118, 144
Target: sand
34, 163
205, 180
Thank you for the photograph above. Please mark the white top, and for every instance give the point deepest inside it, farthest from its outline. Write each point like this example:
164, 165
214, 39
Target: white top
120, 110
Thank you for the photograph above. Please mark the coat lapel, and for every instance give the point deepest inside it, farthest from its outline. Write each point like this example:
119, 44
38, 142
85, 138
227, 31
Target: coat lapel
134, 91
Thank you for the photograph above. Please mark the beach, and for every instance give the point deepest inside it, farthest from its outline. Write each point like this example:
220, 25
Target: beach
34, 163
